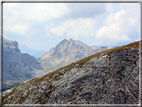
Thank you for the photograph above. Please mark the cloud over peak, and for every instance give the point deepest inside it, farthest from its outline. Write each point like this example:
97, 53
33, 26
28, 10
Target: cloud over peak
91, 23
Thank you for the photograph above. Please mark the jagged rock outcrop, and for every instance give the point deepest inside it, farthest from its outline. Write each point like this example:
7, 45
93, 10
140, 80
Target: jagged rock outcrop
109, 77
10, 47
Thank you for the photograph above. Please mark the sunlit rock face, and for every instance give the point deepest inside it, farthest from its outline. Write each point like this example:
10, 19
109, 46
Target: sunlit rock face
110, 77
66, 52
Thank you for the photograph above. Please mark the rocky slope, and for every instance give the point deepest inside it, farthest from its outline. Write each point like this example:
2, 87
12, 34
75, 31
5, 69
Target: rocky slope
109, 77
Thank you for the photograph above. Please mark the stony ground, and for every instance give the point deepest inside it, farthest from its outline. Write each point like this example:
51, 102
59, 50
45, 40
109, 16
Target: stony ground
110, 78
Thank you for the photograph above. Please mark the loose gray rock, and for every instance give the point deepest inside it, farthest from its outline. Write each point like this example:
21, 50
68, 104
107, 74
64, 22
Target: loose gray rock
101, 79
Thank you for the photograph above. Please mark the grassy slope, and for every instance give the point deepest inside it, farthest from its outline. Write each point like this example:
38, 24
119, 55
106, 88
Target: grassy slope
50, 75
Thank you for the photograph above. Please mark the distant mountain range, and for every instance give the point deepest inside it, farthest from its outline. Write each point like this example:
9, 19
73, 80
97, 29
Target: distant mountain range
66, 52
20, 67
33, 52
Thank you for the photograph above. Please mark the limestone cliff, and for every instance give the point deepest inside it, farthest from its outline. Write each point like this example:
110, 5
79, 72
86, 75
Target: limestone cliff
66, 52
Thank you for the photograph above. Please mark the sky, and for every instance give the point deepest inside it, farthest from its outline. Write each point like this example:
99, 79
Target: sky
44, 25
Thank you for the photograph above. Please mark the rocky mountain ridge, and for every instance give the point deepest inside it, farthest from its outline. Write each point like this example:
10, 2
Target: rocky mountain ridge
19, 67
66, 52
109, 77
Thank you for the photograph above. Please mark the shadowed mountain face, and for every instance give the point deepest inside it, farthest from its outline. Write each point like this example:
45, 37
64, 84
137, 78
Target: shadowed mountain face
109, 77
65, 53
17, 67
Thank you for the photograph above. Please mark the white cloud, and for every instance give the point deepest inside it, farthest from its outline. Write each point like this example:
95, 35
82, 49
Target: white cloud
59, 30
111, 32
43, 12
132, 21
53, 21
20, 29
86, 10
16, 16
117, 26
75, 28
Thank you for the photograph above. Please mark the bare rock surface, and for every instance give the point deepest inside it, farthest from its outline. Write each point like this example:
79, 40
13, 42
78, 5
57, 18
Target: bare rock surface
110, 77
67, 52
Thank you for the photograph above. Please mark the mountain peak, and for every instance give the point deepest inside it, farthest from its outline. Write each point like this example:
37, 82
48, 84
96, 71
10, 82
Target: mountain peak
70, 40
64, 40
10, 45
